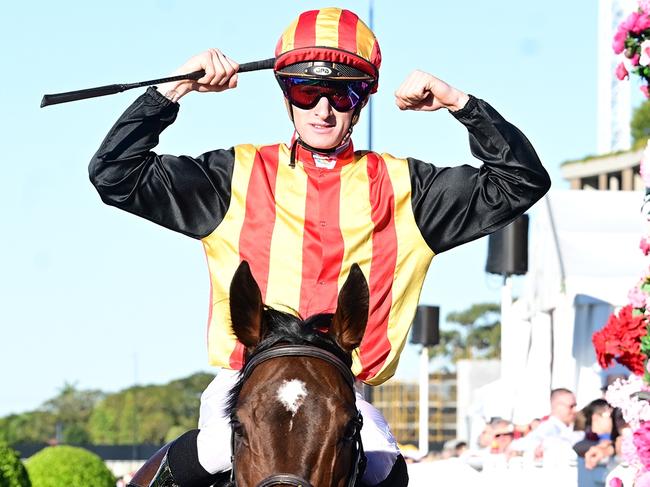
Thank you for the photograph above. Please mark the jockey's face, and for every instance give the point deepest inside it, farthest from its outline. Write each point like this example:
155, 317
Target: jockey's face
321, 127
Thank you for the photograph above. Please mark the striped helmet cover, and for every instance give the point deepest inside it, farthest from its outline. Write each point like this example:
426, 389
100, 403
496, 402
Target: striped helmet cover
330, 34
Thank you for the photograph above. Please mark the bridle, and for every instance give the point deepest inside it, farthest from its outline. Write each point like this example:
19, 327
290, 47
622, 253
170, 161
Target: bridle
359, 461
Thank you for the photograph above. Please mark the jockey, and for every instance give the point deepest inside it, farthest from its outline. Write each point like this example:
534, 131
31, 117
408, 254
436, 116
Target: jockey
302, 214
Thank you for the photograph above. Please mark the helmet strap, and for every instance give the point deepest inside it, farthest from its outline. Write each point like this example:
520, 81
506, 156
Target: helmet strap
331, 151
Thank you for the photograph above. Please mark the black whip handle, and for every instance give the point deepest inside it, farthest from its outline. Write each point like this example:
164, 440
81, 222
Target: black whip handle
68, 96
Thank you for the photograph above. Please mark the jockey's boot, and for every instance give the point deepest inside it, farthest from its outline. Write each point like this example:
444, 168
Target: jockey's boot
221, 479
186, 471
147, 472
163, 477
398, 476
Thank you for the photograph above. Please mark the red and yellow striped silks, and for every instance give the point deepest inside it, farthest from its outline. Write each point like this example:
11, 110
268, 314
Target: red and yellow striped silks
329, 34
301, 230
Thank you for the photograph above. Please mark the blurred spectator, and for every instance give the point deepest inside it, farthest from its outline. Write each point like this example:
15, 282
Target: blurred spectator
453, 448
580, 423
461, 447
411, 453
599, 427
486, 437
555, 435
535, 422
502, 435
620, 427
597, 447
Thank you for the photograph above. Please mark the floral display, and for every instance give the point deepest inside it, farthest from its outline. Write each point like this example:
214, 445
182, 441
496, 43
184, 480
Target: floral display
625, 338
620, 339
632, 42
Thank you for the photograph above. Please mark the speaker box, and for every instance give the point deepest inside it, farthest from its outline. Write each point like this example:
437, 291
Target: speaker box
426, 329
508, 249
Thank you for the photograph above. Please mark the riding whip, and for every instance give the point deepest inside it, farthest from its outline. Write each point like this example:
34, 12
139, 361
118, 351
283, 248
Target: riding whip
118, 88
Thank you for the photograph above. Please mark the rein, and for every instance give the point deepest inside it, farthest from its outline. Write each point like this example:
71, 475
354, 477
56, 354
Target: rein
359, 460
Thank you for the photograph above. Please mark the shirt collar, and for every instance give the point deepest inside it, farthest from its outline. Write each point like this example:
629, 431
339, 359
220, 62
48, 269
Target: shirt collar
325, 161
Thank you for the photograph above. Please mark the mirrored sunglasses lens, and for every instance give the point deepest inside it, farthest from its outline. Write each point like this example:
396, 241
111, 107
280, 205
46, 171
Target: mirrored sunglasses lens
343, 96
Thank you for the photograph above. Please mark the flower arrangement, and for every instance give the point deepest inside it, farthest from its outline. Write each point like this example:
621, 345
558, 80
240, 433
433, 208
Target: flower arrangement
625, 338
622, 337
632, 40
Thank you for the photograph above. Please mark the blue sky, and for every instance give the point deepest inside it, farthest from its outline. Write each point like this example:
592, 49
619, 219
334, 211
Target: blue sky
100, 298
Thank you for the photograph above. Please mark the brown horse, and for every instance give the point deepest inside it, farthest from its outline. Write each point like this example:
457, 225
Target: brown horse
293, 411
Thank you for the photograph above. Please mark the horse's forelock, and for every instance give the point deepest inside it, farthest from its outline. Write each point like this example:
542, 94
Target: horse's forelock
287, 328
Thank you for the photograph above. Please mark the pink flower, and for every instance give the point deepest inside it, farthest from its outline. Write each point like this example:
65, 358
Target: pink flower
644, 245
644, 90
637, 297
621, 72
642, 443
644, 5
620, 394
634, 60
628, 450
642, 23
615, 482
619, 41
644, 60
630, 23
643, 480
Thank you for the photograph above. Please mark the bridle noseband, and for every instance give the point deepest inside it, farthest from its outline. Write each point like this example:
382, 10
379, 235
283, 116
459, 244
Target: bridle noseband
359, 460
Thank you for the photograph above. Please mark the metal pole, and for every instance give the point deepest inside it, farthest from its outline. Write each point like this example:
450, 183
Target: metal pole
424, 401
367, 390
508, 341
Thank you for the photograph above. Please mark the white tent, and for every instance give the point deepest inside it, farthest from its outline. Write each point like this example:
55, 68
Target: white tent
584, 258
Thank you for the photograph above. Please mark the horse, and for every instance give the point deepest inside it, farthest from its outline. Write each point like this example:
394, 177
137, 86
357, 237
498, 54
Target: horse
293, 415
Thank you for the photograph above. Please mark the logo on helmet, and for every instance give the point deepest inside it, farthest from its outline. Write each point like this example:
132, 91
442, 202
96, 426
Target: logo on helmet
321, 70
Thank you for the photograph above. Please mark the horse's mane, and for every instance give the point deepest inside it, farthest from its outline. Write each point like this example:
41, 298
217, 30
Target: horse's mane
288, 329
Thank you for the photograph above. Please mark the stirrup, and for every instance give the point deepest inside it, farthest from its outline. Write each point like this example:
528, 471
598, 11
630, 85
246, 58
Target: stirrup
163, 477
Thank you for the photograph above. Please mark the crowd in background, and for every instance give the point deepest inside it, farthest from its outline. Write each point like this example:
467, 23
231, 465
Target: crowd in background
589, 438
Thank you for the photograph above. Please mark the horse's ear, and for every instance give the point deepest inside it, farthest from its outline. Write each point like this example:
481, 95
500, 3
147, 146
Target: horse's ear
351, 317
246, 307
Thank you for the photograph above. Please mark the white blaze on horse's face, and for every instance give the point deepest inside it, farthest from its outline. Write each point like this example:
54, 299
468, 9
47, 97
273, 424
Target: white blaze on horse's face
292, 394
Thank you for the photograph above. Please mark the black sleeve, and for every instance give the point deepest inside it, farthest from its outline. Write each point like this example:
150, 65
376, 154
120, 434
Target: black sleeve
583, 446
454, 205
186, 194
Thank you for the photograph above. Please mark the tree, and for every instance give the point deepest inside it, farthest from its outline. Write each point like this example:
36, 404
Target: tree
640, 125
68, 466
471, 333
148, 413
139, 414
30, 427
12, 470
72, 409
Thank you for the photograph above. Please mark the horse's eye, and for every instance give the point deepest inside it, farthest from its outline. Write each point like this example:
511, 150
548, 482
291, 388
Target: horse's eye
237, 427
350, 431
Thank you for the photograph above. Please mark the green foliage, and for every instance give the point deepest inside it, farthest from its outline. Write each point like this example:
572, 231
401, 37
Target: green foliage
640, 125
31, 427
141, 414
12, 470
472, 333
68, 466
645, 343
148, 414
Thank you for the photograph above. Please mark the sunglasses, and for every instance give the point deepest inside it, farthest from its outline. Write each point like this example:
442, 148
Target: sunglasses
343, 96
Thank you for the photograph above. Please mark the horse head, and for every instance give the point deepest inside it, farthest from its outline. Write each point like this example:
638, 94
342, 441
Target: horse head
293, 410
